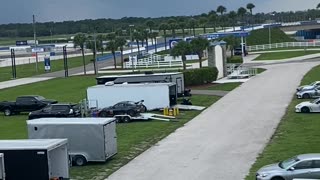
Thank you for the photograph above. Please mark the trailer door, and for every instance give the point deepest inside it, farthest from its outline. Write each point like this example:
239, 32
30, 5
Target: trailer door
110, 138
179, 85
2, 173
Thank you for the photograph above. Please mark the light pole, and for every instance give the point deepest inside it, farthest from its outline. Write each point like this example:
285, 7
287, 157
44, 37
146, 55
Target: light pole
130, 26
95, 52
35, 40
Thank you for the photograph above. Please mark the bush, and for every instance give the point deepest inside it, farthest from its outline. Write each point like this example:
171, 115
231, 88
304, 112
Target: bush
200, 76
235, 60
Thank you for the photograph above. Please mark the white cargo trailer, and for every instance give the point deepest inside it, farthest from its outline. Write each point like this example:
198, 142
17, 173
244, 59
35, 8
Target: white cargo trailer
173, 77
2, 172
155, 95
35, 158
89, 139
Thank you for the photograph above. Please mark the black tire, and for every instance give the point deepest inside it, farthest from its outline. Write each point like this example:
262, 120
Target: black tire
119, 120
7, 112
130, 113
143, 109
79, 160
126, 119
305, 110
103, 114
306, 96
277, 178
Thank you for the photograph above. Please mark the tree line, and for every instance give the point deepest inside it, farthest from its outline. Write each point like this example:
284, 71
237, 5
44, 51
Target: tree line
220, 17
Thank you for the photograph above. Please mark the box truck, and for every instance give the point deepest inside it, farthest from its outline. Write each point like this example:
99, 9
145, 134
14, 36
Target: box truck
155, 95
35, 159
89, 139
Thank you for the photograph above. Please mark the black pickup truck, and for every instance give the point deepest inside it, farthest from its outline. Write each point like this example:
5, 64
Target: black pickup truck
25, 104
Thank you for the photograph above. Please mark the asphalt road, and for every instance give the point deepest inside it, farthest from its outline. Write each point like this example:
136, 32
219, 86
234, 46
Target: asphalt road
223, 141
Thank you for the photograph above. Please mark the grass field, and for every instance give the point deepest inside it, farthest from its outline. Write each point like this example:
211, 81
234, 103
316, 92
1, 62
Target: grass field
28, 70
296, 134
4, 41
133, 138
225, 86
284, 55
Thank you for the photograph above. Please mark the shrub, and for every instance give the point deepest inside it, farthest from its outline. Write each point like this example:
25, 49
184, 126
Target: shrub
235, 60
200, 76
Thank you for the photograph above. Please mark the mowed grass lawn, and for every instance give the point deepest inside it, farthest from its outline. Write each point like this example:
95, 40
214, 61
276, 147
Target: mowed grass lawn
284, 55
28, 70
296, 134
133, 138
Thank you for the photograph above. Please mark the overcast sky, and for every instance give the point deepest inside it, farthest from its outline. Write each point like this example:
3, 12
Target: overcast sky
13, 11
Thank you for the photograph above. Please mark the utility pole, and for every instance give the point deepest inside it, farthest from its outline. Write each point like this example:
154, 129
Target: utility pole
35, 41
131, 47
96, 69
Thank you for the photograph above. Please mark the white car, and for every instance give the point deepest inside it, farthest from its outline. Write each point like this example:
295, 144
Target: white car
310, 86
308, 106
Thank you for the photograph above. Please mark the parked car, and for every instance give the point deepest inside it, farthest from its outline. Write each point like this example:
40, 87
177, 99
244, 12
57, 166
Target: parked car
125, 107
309, 93
308, 106
56, 110
305, 166
310, 86
25, 104
238, 51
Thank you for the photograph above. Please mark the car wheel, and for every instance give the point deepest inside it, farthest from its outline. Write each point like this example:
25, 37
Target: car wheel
7, 112
103, 114
305, 110
277, 178
143, 108
119, 120
80, 160
126, 119
130, 113
306, 96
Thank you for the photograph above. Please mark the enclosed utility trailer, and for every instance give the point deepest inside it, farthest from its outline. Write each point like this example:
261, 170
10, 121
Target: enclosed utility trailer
89, 139
35, 159
155, 95
175, 77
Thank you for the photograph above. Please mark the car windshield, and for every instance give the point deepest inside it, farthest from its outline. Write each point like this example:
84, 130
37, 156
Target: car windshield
313, 84
39, 98
315, 101
287, 163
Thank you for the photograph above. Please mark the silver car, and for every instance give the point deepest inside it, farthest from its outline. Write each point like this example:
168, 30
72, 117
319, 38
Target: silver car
309, 93
310, 86
305, 166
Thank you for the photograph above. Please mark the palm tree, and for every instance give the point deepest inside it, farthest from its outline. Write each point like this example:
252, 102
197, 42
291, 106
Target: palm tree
164, 27
150, 24
137, 37
198, 45
154, 36
172, 25
318, 6
213, 19
203, 22
121, 42
100, 39
90, 44
221, 10
232, 42
232, 16
113, 47
192, 24
145, 34
241, 12
182, 49
80, 40
250, 6
182, 25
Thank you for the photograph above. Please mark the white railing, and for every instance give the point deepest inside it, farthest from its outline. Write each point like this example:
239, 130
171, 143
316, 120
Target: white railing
283, 45
159, 64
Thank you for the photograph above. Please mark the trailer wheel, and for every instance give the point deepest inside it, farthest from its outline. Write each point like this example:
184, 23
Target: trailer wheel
103, 114
143, 109
7, 112
80, 160
126, 119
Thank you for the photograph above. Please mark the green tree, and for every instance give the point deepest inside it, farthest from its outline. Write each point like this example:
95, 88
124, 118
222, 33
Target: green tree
203, 22
232, 42
121, 42
150, 24
250, 7
93, 45
137, 37
241, 13
182, 49
182, 25
199, 45
172, 25
192, 24
113, 47
164, 27
100, 39
232, 16
221, 10
154, 36
213, 19
318, 6
80, 40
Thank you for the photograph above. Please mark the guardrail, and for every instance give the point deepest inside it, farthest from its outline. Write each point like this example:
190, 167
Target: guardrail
282, 45
158, 64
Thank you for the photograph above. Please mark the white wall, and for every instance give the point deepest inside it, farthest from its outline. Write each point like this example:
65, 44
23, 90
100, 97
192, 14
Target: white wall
219, 60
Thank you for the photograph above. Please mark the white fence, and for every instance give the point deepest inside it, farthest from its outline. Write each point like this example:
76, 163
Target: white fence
153, 61
283, 45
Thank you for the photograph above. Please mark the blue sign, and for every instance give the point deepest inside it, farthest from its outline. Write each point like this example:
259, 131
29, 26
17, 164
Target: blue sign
221, 35
21, 43
47, 64
173, 42
52, 53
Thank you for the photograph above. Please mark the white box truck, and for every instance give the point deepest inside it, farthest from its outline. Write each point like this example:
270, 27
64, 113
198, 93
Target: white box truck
89, 139
155, 95
35, 158
2, 172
